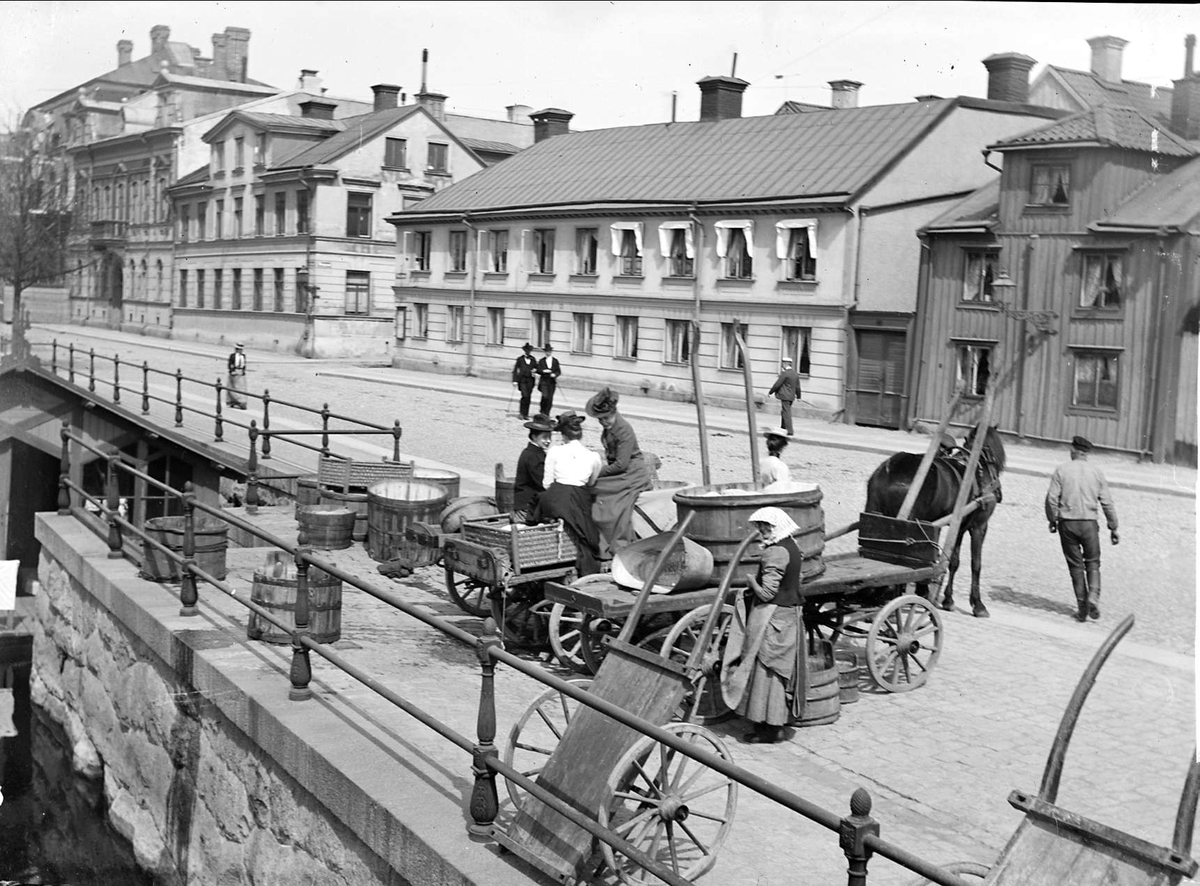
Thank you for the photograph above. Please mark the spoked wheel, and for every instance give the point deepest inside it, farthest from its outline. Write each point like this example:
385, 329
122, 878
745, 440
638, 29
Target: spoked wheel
535, 736
567, 638
523, 620
469, 594
668, 806
703, 702
904, 643
595, 631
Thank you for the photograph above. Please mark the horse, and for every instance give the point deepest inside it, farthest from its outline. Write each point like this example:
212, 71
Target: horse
890, 482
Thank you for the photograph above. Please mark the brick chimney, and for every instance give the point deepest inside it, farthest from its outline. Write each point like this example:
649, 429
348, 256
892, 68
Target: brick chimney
1008, 76
309, 81
1185, 100
550, 122
315, 109
845, 94
237, 53
385, 96
124, 52
159, 35
434, 103
721, 97
220, 57
1106, 58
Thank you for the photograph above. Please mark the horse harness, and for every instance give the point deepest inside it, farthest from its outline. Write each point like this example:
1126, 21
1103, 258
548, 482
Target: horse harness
987, 474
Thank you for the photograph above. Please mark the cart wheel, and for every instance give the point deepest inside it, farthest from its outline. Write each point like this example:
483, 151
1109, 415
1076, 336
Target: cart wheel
595, 631
469, 594
970, 868
524, 621
534, 737
566, 637
710, 706
670, 807
904, 643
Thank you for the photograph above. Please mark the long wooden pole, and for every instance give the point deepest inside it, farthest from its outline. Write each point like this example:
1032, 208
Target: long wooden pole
697, 387
964, 489
927, 460
751, 419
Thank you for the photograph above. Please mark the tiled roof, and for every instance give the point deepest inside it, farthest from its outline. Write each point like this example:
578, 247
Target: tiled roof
479, 144
980, 209
824, 153
195, 177
1093, 91
355, 131
1117, 127
290, 121
1170, 201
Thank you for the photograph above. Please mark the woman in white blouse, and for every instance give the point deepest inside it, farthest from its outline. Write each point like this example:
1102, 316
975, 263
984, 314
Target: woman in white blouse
569, 479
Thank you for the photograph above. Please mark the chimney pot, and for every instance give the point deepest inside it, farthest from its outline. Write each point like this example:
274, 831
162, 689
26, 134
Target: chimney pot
385, 96
124, 52
518, 113
1189, 51
1008, 76
721, 97
315, 109
159, 35
550, 122
309, 81
1106, 57
434, 103
845, 94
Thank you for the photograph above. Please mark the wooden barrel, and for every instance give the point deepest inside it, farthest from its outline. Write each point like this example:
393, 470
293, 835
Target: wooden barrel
448, 480
393, 506
822, 703
326, 527
277, 595
505, 490
308, 493
354, 501
470, 507
209, 536
723, 519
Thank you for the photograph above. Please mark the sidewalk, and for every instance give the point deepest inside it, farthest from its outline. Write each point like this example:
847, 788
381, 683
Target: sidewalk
1123, 472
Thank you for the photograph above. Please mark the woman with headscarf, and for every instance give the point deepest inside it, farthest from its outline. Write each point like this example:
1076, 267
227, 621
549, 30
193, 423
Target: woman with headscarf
625, 475
763, 674
569, 478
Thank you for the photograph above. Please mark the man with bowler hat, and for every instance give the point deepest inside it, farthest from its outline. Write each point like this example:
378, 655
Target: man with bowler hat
524, 371
548, 371
786, 389
1078, 493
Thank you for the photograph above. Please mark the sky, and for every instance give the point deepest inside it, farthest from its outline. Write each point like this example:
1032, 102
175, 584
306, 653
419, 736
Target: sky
610, 63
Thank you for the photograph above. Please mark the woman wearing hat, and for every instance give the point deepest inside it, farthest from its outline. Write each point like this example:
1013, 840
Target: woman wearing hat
624, 477
235, 393
763, 674
531, 466
569, 477
773, 470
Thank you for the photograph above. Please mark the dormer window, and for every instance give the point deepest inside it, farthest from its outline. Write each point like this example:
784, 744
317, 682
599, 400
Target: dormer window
1051, 184
218, 157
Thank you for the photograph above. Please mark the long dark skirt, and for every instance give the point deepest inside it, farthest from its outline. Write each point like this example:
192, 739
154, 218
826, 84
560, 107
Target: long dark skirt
573, 505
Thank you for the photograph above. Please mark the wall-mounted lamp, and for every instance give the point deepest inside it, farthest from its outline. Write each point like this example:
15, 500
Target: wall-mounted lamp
309, 289
1004, 289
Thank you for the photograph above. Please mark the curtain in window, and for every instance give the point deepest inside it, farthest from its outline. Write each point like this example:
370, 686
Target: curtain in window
666, 232
724, 228
617, 231
783, 236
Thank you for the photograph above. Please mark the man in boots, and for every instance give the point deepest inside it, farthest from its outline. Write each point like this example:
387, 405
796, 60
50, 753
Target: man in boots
1078, 493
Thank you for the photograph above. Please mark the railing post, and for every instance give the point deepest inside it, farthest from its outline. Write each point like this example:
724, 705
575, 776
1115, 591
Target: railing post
266, 428
71, 362
484, 802
220, 430
325, 429
64, 471
301, 667
113, 500
852, 837
396, 441
145, 388
189, 594
54, 356
116, 378
179, 398
252, 471
91, 369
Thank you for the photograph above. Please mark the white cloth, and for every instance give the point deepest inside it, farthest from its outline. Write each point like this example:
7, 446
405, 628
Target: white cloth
774, 471
783, 235
618, 236
666, 233
8, 584
781, 524
724, 227
571, 464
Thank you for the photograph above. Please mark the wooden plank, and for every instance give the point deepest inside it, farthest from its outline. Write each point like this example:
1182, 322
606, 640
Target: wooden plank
918, 481
1040, 854
610, 600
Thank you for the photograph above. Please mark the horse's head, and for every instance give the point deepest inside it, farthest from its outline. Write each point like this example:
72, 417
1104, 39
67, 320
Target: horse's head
993, 448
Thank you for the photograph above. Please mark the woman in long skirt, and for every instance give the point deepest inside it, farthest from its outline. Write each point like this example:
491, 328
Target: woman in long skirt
625, 475
569, 479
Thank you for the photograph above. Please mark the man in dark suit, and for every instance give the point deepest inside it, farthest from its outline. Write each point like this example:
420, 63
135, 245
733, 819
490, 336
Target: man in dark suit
523, 374
786, 389
548, 371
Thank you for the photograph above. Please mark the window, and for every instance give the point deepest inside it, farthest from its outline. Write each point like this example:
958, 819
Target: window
421, 250
218, 286
731, 355
1095, 380
454, 323
495, 326
541, 328
239, 153
1101, 280
302, 212
973, 369
201, 221
260, 214
678, 346
358, 292
979, 277
395, 153
236, 294
676, 243
797, 344
237, 216
280, 213
581, 333
260, 149
200, 289
358, 215
1051, 184
421, 319
627, 247
627, 338
257, 303
218, 157
185, 220
796, 247
437, 157
458, 250
498, 251
279, 290
183, 290
586, 246
739, 264
219, 220
543, 250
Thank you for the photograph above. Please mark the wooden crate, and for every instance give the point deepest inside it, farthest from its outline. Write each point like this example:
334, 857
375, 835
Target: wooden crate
903, 542
519, 547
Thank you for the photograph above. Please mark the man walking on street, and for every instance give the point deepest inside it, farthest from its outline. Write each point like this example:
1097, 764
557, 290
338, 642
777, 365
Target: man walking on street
1078, 492
235, 397
523, 374
786, 389
548, 371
